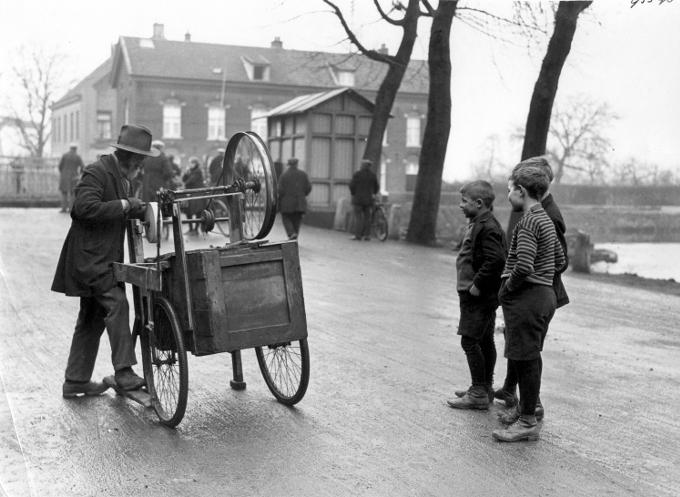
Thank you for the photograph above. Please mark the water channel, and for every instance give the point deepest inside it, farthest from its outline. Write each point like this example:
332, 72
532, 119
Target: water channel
647, 260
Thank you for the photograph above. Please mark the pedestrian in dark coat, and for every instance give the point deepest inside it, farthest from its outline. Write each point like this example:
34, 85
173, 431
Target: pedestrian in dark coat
363, 187
70, 167
94, 242
294, 186
157, 173
215, 168
193, 178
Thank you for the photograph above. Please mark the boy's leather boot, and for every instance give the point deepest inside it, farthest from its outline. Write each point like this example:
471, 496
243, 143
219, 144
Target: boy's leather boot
526, 428
475, 398
509, 398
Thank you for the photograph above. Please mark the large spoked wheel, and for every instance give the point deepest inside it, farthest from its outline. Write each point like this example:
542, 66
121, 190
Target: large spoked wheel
165, 364
380, 225
247, 159
285, 369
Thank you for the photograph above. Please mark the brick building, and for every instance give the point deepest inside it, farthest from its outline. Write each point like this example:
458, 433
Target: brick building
194, 96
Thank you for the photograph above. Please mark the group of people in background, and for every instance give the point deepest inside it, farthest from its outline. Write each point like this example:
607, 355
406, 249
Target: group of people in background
521, 272
294, 187
156, 172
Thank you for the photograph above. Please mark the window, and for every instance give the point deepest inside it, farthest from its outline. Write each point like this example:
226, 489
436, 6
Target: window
77, 137
258, 73
257, 68
64, 121
172, 121
345, 78
55, 127
412, 167
216, 116
258, 122
413, 131
72, 128
411, 173
104, 126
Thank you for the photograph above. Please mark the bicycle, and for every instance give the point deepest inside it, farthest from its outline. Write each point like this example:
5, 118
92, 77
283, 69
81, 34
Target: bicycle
379, 227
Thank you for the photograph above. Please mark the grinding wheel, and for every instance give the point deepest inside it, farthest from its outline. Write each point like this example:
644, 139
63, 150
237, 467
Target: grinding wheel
151, 222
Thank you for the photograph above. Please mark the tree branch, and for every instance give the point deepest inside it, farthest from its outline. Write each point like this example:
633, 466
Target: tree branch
371, 54
386, 16
429, 10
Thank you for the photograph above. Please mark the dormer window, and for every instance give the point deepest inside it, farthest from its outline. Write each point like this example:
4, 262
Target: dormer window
344, 77
257, 69
258, 72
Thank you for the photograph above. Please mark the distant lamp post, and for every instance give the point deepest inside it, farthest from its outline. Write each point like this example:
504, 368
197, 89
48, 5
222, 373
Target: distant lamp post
220, 70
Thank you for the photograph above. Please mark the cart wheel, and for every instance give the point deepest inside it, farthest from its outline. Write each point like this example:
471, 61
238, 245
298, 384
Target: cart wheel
165, 364
221, 212
247, 159
285, 369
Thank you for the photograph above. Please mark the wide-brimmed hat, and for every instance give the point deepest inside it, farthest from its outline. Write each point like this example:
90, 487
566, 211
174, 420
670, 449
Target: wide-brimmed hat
136, 139
293, 161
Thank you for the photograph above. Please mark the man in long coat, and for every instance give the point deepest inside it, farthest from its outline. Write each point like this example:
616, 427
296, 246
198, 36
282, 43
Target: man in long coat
363, 187
70, 167
294, 186
102, 206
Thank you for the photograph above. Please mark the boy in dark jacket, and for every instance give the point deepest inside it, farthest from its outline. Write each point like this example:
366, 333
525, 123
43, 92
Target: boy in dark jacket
507, 393
479, 266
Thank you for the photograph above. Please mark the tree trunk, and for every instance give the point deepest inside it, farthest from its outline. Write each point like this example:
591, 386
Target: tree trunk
422, 226
545, 89
389, 87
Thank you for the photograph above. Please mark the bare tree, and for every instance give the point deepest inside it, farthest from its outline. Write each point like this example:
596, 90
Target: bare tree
578, 141
423, 222
545, 89
634, 172
397, 64
37, 74
490, 165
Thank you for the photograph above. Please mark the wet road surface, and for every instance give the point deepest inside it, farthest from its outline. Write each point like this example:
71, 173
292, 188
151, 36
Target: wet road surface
384, 358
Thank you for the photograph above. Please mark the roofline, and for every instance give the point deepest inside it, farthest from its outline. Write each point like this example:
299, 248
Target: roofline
258, 47
66, 101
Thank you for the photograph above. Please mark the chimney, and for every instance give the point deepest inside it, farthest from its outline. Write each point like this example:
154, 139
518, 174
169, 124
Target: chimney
158, 31
383, 49
187, 36
277, 43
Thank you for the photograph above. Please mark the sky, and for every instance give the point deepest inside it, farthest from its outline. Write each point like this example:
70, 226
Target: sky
625, 55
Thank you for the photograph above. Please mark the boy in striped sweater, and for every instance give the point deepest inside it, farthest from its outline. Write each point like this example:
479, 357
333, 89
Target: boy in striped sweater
507, 393
527, 295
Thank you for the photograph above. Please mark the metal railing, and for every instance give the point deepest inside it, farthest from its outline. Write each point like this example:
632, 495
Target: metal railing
29, 177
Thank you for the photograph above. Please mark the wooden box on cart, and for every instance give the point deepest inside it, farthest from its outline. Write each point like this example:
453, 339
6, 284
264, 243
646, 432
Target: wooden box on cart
242, 297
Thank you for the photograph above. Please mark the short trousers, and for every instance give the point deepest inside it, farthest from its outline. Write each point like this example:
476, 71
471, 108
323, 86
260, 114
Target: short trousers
477, 315
527, 312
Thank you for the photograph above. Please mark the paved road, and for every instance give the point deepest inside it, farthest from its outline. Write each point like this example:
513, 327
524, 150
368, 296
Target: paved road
385, 357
